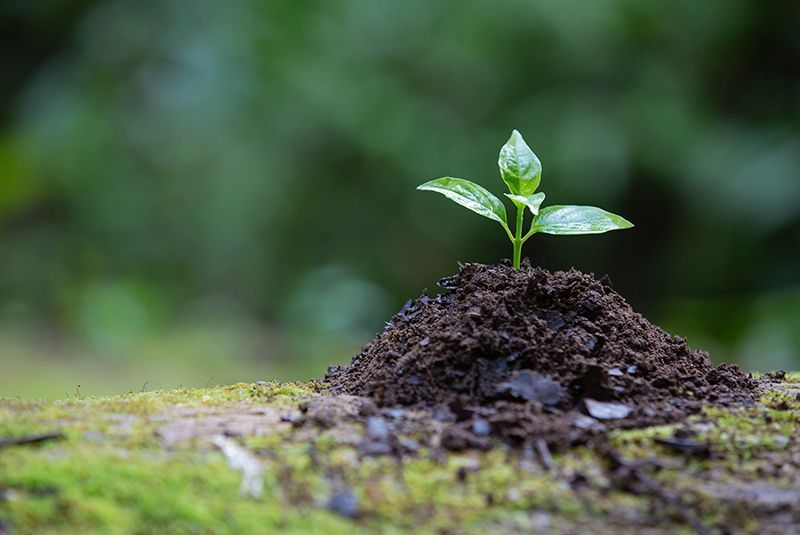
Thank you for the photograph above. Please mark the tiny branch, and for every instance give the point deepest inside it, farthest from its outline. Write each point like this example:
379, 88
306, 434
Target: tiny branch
244, 462
30, 439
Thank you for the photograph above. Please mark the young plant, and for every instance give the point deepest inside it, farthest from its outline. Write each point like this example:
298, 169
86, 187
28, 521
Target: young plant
521, 170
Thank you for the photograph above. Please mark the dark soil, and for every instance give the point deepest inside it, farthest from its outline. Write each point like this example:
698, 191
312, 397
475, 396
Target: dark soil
529, 356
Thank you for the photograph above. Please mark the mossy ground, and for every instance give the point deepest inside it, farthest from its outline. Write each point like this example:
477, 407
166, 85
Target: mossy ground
116, 472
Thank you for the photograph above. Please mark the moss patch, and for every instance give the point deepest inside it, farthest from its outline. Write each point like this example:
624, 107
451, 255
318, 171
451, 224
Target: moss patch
115, 472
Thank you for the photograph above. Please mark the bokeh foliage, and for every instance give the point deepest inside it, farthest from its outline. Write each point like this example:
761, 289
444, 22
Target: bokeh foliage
247, 169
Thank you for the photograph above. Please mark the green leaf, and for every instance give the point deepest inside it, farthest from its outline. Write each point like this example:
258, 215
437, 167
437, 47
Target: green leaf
520, 168
577, 220
531, 201
469, 195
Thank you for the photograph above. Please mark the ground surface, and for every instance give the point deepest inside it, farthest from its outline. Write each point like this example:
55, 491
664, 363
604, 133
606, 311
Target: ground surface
173, 461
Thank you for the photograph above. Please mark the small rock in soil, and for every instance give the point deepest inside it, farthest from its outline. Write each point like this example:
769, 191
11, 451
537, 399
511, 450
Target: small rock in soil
408, 445
766, 497
377, 428
587, 422
481, 427
344, 503
605, 411
378, 439
294, 418
448, 283
367, 448
685, 446
328, 411
533, 386
442, 413
456, 438
397, 414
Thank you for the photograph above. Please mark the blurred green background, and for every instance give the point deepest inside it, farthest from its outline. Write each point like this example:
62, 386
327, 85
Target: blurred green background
201, 192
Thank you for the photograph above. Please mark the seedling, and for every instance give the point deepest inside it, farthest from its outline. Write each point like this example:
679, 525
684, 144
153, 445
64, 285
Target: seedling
521, 170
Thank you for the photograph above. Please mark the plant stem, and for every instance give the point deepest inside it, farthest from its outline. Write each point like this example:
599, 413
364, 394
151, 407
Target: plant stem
530, 233
518, 237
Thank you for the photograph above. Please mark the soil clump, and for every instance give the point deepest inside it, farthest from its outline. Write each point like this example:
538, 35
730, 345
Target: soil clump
529, 356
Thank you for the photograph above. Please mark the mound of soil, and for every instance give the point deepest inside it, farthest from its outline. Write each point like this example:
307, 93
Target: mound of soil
528, 354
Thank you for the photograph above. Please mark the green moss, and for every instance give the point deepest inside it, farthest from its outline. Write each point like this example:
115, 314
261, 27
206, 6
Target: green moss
114, 473
792, 377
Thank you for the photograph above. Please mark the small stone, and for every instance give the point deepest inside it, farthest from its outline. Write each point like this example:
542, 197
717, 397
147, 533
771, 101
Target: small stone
533, 386
293, 418
262, 383
377, 428
606, 411
553, 318
587, 422
395, 413
456, 438
781, 441
685, 446
448, 283
633, 370
345, 503
329, 411
481, 427
443, 413
375, 448
615, 372
409, 445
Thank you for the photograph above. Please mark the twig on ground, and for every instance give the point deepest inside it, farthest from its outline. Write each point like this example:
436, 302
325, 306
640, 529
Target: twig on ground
245, 462
30, 439
544, 454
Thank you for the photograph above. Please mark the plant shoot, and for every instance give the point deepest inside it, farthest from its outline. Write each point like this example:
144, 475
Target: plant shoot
521, 171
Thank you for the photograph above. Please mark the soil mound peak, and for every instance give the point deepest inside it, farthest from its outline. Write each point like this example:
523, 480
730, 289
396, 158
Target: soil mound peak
532, 353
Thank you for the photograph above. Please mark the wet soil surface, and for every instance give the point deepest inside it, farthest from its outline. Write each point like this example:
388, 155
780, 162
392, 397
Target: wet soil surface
533, 357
